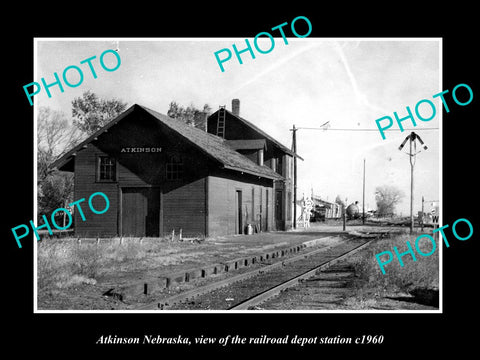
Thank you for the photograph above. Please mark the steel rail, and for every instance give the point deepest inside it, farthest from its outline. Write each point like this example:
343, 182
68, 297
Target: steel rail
190, 294
267, 294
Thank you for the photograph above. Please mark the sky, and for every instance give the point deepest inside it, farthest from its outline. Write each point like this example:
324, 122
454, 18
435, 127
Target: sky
348, 83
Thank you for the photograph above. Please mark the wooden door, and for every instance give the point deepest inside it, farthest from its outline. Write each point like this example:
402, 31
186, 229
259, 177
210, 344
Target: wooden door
238, 212
152, 221
279, 210
140, 211
266, 211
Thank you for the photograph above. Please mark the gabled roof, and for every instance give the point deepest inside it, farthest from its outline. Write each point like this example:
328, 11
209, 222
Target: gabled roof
262, 133
210, 145
68, 156
318, 200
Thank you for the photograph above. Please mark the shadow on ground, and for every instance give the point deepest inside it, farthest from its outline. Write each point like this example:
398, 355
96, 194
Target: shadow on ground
428, 297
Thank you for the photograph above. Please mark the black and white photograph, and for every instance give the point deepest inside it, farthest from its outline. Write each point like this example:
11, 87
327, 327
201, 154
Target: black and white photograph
282, 185
268, 186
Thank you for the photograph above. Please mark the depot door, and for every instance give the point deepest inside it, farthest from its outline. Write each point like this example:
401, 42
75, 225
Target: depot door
140, 212
279, 210
238, 212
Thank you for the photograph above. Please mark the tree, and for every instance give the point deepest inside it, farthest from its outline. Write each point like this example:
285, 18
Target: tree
387, 197
189, 114
91, 113
338, 200
55, 191
55, 135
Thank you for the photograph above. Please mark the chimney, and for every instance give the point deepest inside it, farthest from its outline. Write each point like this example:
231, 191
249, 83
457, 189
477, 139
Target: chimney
236, 107
200, 120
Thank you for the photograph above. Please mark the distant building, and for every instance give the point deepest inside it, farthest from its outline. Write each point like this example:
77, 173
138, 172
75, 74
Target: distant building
162, 175
323, 209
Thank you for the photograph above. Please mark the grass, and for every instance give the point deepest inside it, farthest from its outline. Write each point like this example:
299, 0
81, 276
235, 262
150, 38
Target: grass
420, 274
73, 275
66, 268
63, 263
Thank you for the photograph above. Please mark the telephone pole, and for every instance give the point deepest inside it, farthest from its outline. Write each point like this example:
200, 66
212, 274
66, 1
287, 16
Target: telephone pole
412, 164
423, 212
412, 154
363, 202
294, 149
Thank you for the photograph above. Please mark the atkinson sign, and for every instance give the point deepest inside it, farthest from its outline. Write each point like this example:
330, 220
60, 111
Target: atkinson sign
141, 150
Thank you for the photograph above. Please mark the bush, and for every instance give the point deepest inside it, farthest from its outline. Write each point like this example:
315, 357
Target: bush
422, 273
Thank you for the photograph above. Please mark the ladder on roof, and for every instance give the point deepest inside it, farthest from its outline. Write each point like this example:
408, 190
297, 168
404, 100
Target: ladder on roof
221, 121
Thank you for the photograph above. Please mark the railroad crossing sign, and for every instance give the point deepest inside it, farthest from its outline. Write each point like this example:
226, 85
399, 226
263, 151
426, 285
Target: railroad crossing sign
413, 137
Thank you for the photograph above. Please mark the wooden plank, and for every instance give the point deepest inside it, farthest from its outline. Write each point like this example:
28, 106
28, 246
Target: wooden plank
184, 207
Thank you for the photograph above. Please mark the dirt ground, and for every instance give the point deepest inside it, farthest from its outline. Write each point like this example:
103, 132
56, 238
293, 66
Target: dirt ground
182, 256
337, 289
171, 258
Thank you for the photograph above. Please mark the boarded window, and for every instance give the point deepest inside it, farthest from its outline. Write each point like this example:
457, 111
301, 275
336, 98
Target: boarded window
174, 167
106, 169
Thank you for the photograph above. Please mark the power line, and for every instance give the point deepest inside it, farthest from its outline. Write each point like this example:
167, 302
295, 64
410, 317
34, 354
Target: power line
330, 129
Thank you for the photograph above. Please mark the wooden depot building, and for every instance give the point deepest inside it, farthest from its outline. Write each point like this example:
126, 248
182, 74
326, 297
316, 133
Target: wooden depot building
162, 175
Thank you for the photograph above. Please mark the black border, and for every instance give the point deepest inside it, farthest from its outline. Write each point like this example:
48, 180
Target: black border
407, 334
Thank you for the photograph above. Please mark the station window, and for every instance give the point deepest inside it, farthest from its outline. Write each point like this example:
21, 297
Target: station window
106, 170
174, 167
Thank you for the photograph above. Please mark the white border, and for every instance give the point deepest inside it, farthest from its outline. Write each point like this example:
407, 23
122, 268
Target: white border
245, 312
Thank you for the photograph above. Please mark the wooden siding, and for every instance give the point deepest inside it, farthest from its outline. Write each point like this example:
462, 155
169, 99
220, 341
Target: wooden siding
184, 208
221, 205
201, 203
283, 217
84, 186
274, 158
237, 130
182, 202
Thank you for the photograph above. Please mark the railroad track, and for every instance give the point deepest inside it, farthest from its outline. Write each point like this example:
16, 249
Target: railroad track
275, 290
249, 289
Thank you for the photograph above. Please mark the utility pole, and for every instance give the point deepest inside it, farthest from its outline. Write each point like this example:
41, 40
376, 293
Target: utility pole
423, 214
412, 164
412, 154
363, 202
294, 149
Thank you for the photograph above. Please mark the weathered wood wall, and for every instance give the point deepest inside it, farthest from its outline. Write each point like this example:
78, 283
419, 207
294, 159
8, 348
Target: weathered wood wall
222, 205
201, 203
85, 184
182, 202
184, 208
